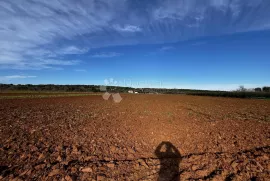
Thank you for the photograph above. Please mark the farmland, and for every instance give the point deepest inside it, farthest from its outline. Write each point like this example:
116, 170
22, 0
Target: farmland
84, 137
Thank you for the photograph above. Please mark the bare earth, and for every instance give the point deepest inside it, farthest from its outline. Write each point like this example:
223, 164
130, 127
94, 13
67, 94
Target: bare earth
145, 137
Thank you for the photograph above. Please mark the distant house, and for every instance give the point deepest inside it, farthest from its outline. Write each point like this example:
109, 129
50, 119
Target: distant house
131, 91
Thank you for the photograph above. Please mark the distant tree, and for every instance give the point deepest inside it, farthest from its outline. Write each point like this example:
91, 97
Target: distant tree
81, 89
241, 89
266, 89
250, 90
258, 89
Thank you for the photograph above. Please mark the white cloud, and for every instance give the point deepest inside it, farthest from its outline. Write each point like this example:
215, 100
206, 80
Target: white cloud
73, 50
40, 64
58, 62
80, 70
106, 55
127, 28
19, 76
7, 78
32, 31
166, 48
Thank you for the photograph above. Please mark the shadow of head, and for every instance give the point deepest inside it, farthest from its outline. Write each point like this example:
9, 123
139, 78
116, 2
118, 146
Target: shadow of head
170, 158
168, 150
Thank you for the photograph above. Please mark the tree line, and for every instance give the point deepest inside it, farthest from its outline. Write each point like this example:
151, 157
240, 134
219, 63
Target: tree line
242, 92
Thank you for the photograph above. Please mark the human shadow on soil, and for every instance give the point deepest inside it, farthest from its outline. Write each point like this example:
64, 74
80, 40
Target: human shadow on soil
170, 159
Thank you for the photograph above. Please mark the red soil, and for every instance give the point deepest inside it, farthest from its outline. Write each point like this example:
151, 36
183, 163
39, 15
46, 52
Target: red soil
90, 138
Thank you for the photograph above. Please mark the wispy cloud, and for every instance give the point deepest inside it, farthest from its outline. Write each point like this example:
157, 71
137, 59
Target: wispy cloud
73, 50
32, 31
199, 43
106, 55
19, 76
7, 78
160, 50
127, 28
58, 62
80, 70
40, 64
166, 48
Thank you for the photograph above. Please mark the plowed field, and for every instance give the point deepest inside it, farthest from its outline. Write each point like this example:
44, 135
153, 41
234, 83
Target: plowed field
144, 137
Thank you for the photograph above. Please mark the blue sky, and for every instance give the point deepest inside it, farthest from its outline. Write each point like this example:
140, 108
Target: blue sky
202, 44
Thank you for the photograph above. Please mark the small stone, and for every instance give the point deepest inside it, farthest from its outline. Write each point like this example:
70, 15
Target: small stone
54, 172
87, 170
142, 162
130, 150
89, 158
27, 172
73, 170
194, 167
218, 178
130, 156
59, 158
41, 156
137, 166
64, 163
265, 157
100, 177
234, 165
74, 150
202, 173
102, 168
110, 165
68, 178
113, 149
41, 166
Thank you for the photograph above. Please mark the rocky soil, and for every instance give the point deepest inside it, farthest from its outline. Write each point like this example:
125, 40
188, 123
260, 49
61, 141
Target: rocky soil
88, 138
